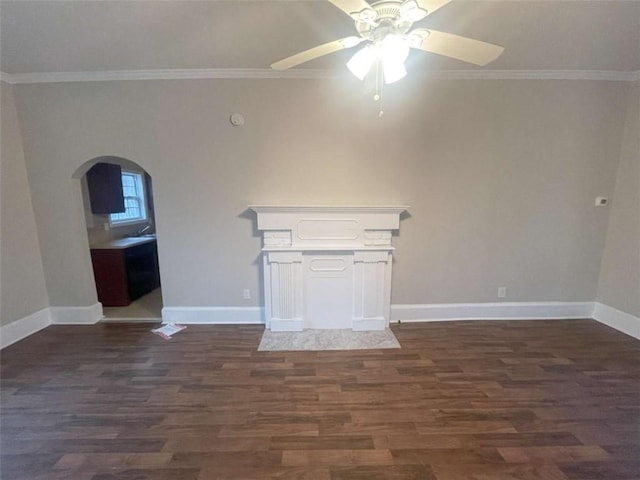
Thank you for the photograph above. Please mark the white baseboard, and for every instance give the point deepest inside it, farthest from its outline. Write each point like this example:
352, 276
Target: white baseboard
131, 320
76, 315
614, 318
22, 328
624, 322
286, 325
368, 324
491, 311
213, 315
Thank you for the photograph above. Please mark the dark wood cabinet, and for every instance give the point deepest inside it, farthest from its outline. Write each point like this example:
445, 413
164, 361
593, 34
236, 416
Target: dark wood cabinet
125, 274
105, 188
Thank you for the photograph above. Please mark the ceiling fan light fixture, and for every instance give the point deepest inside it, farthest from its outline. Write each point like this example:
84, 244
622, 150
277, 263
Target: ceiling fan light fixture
386, 27
362, 61
393, 71
394, 50
391, 52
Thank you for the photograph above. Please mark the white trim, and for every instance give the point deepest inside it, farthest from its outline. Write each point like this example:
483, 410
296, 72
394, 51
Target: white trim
126, 223
491, 311
306, 74
76, 315
368, 324
286, 325
213, 315
621, 321
599, 75
141, 198
379, 209
5, 77
22, 328
614, 318
167, 74
131, 320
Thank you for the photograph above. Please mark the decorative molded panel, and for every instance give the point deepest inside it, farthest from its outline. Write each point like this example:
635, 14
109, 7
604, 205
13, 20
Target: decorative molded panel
377, 237
277, 238
328, 229
327, 265
328, 290
284, 256
371, 298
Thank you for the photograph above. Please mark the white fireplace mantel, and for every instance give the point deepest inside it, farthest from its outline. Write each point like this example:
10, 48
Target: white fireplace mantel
327, 266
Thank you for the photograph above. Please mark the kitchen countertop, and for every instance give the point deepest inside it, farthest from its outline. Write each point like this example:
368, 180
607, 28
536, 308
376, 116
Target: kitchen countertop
122, 243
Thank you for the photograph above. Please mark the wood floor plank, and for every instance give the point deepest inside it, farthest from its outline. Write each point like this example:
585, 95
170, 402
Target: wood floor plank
300, 458
554, 454
383, 472
481, 400
500, 472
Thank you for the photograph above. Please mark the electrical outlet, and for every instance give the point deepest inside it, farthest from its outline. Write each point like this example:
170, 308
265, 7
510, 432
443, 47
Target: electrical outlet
602, 201
246, 294
502, 292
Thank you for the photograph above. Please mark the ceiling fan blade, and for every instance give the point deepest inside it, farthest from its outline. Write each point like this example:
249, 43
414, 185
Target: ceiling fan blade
351, 7
432, 5
316, 52
455, 46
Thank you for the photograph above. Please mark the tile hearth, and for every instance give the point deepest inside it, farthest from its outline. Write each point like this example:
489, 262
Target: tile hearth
317, 340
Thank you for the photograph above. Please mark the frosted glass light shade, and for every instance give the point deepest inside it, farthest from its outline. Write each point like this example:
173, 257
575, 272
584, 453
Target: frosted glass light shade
362, 61
394, 50
393, 71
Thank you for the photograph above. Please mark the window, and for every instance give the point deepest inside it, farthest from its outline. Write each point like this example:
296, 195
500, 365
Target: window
134, 201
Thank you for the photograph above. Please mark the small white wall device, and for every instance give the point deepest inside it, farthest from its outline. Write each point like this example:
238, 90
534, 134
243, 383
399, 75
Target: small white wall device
237, 119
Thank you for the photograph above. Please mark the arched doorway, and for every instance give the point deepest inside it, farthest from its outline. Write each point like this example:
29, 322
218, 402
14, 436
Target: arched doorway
120, 217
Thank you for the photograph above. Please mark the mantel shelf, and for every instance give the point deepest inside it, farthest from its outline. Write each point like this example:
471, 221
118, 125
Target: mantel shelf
395, 209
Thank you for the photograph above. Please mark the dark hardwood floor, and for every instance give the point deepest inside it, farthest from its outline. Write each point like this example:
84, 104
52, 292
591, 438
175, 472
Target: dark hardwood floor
551, 400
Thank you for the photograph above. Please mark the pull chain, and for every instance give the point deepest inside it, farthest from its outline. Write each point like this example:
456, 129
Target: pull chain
378, 97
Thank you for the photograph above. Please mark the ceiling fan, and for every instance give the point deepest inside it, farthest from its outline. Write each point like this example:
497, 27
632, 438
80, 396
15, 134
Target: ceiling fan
385, 27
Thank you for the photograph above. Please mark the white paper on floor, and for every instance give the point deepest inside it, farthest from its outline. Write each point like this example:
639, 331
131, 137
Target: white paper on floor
169, 329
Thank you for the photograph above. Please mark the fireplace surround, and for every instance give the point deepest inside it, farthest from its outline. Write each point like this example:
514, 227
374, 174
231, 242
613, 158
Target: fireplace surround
327, 267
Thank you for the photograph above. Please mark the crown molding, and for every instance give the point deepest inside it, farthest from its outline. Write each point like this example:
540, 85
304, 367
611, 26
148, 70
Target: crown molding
598, 75
306, 74
5, 77
168, 74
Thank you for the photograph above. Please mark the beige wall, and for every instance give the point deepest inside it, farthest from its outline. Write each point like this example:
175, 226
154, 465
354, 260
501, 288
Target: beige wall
619, 285
22, 285
501, 177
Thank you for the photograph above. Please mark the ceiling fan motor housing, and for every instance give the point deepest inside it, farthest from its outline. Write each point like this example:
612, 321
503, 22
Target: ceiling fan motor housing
387, 20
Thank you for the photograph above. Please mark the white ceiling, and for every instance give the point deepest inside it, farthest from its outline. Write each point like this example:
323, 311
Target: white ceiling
85, 36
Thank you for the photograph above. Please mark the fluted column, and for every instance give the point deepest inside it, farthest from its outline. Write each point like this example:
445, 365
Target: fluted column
283, 272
